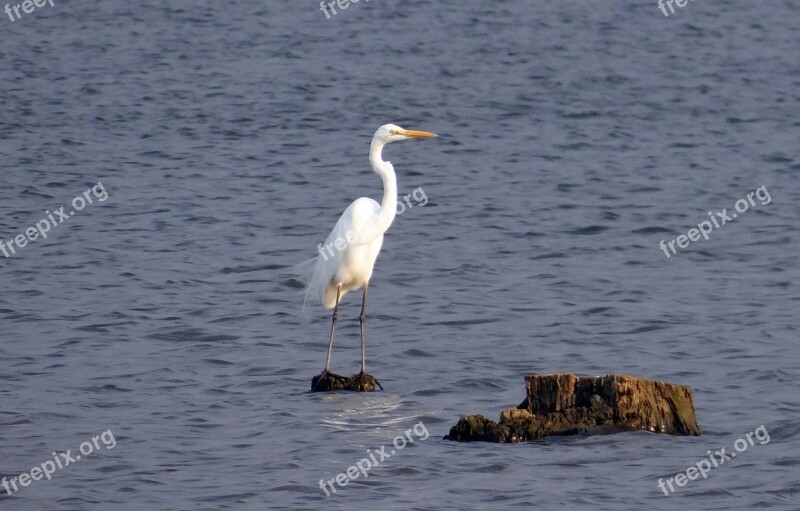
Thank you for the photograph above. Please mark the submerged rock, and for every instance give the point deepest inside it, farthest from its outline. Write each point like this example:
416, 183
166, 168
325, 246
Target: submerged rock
328, 382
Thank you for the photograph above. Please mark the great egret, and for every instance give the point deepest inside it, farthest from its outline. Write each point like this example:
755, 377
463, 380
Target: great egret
346, 260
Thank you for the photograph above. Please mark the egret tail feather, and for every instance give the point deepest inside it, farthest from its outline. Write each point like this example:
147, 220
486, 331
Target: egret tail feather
306, 272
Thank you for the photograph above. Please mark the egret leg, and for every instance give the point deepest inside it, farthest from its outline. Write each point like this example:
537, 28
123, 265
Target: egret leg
362, 318
333, 328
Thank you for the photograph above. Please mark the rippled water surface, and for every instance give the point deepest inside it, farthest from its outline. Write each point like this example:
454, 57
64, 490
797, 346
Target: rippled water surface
574, 137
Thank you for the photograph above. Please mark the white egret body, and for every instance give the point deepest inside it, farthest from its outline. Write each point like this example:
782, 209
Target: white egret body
347, 257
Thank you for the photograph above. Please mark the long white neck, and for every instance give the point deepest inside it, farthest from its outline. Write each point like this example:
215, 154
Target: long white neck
384, 169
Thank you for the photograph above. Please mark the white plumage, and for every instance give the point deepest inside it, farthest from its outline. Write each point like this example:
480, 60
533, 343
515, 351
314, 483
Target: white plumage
346, 259
352, 266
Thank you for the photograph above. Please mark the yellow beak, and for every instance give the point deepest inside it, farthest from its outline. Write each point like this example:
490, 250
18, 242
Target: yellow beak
418, 134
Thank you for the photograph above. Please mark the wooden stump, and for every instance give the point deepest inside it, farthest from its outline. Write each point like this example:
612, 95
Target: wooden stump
563, 404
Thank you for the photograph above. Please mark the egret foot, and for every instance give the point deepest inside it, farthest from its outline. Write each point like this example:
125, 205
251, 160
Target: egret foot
327, 381
363, 382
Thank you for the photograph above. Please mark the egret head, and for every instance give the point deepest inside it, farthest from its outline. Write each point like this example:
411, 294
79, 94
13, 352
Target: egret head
392, 133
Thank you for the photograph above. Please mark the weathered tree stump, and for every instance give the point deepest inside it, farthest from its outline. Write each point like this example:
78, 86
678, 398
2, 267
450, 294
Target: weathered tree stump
328, 382
564, 404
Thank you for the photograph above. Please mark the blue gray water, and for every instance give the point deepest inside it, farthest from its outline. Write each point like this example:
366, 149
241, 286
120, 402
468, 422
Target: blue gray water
575, 137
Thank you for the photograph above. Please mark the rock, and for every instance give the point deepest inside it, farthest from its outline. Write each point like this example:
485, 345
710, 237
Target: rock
328, 382
563, 404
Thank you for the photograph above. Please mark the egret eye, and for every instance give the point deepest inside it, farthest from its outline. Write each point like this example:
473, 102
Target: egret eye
393, 132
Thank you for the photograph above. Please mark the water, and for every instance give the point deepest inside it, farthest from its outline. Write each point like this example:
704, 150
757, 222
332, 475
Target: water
575, 137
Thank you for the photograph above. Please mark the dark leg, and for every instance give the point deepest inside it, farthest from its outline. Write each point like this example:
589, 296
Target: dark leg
363, 380
363, 318
333, 328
